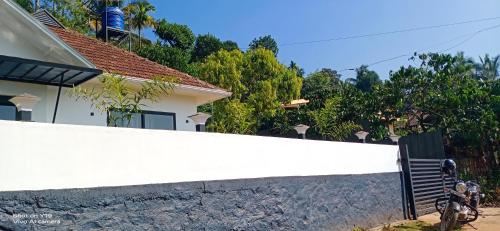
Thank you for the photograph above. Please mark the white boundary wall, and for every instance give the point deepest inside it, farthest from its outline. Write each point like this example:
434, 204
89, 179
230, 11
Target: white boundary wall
36, 156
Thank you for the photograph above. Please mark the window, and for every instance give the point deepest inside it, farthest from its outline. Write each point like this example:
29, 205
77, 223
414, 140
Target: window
7, 109
146, 119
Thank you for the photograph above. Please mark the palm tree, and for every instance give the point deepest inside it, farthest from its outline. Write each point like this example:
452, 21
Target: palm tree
365, 79
138, 13
488, 67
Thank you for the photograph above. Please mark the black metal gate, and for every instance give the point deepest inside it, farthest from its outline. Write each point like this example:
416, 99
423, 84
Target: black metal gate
421, 157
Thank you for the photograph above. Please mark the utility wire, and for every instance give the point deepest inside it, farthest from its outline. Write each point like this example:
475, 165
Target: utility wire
467, 36
390, 32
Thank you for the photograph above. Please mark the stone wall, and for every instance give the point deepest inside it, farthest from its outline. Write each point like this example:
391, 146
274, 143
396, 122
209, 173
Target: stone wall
335, 202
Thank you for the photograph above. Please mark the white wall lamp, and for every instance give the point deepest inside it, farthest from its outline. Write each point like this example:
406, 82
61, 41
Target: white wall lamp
199, 120
301, 130
24, 104
362, 135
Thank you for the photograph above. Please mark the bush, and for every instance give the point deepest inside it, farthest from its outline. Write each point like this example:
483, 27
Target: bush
490, 186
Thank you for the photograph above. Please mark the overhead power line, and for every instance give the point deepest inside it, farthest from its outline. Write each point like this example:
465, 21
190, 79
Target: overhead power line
390, 32
467, 37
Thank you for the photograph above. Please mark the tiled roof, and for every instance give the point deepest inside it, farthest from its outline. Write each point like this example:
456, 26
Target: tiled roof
114, 60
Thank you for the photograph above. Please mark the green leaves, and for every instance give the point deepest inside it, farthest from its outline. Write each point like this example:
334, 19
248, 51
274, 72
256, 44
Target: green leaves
232, 116
265, 42
172, 57
175, 35
204, 46
329, 123
256, 78
116, 94
443, 93
224, 70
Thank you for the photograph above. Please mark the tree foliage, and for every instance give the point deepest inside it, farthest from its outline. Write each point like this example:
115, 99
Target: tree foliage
175, 35
140, 18
208, 44
115, 94
26, 4
365, 79
169, 56
329, 122
266, 42
320, 86
232, 116
487, 68
256, 79
443, 94
204, 46
224, 70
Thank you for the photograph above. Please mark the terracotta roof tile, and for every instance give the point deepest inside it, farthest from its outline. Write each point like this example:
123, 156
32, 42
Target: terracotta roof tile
112, 59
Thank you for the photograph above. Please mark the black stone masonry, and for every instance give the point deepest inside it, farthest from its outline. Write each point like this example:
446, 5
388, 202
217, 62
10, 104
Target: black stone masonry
335, 202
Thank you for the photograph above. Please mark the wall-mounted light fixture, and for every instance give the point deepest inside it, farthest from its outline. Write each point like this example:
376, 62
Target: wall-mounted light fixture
301, 130
24, 104
200, 119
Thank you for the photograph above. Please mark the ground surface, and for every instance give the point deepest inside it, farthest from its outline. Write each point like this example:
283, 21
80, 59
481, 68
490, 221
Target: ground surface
489, 220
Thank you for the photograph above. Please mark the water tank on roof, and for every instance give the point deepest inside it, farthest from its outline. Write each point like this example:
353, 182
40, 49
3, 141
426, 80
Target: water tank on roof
113, 17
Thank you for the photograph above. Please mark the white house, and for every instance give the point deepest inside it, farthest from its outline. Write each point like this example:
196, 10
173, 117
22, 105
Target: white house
39, 59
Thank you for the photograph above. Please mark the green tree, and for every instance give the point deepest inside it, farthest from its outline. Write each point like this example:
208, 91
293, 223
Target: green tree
488, 67
266, 42
320, 86
172, 57
232, 116
223, 69
138, 12
293, 66
269, 82
230, 45
204, 46
256, 78
175, 35
27, 4
442, 93
329, 123
365, 79
72, 14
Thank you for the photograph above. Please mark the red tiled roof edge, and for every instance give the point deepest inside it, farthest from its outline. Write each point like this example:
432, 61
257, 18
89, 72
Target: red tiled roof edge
112, 59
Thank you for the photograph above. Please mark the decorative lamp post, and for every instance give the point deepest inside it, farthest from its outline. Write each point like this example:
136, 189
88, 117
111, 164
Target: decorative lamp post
200, 119
392, 134
24, 104
362, 135
301, 130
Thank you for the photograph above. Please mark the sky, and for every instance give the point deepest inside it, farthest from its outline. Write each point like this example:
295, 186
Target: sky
292, 21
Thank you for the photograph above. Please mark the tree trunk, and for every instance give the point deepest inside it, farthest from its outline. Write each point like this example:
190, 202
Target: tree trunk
140, 40
96, 28
37, 5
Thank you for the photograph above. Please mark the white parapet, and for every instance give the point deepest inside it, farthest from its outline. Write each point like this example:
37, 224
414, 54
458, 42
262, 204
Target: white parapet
36, 156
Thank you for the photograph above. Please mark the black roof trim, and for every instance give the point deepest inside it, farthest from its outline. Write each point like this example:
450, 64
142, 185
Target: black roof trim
45, 73
46, 18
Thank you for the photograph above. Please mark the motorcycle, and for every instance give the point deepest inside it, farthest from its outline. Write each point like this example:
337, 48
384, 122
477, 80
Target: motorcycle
462, 203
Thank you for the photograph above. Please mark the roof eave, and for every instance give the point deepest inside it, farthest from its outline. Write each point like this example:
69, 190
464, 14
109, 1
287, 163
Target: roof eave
48, 32
202, 95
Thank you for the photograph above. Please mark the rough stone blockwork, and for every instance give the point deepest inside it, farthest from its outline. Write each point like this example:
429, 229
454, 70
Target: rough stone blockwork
284, 203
